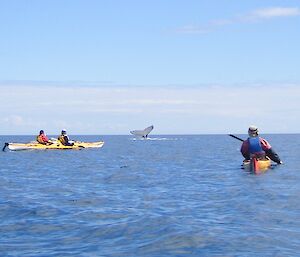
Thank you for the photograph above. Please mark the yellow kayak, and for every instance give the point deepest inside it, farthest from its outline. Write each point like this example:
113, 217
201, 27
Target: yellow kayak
257, 166
56, 145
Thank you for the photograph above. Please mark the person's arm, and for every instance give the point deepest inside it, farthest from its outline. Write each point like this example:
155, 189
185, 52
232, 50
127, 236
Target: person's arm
66, 138
273, 156
264, 144
38, 138
245, 150
270, 151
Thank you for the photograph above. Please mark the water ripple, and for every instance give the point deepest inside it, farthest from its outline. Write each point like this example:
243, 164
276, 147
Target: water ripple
169, 196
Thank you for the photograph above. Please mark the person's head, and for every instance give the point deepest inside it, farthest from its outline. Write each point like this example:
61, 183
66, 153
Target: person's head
42, 132
253, 131
63, 132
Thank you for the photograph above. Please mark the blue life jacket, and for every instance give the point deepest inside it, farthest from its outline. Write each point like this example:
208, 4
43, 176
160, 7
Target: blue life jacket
255, 145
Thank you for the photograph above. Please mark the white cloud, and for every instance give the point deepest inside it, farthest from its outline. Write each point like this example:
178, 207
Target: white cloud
94, 110
256, 15
14, 120
274, 12
204, 28
193, 29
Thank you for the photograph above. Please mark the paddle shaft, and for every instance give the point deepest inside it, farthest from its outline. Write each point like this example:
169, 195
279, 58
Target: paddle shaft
236, 137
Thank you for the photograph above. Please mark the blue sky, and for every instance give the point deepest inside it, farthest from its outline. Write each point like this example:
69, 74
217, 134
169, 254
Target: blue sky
107, 67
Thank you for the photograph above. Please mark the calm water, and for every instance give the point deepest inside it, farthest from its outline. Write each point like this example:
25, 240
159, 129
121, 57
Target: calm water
168, 196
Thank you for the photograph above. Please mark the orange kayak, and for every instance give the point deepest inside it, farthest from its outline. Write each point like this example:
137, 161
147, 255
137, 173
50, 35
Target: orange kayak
257, 166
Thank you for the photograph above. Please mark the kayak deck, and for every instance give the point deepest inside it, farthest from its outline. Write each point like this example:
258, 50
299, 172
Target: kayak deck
56, 145
257, 166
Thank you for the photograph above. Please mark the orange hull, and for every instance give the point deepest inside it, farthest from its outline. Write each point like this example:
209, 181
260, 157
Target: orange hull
257, 166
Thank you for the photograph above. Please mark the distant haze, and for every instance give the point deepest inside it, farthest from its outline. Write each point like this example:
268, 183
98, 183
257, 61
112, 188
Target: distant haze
172, 110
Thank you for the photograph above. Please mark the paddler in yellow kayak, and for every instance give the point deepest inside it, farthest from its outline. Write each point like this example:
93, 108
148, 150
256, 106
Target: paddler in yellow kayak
258, 146
43, 139
64, 138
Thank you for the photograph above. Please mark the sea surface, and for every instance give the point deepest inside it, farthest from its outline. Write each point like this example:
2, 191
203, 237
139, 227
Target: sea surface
167, 196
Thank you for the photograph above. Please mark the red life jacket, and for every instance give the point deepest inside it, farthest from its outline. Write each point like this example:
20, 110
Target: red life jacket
42, 139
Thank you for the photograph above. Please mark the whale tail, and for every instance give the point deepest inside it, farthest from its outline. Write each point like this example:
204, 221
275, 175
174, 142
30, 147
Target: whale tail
142, 133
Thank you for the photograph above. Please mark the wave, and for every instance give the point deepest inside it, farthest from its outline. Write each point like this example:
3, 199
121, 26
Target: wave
155, 139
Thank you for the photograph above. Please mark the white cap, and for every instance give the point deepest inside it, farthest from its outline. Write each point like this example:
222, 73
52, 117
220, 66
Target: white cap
253, 130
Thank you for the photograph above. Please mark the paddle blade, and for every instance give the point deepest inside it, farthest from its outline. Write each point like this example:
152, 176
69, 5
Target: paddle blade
5, 145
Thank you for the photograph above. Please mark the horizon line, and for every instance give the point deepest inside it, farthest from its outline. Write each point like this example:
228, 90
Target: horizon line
184, 134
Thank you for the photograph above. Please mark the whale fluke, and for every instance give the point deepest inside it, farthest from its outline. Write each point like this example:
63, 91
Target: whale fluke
142, 133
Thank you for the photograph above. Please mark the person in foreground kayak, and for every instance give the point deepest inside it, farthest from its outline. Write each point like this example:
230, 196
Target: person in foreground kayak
64, 138
258, 146
43, 139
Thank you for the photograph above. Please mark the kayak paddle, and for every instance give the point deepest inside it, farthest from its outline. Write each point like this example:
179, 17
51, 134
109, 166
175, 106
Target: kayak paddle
236, 137
5, 145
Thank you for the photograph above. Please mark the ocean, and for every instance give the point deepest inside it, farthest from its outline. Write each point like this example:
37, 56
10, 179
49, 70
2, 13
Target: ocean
175, 195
